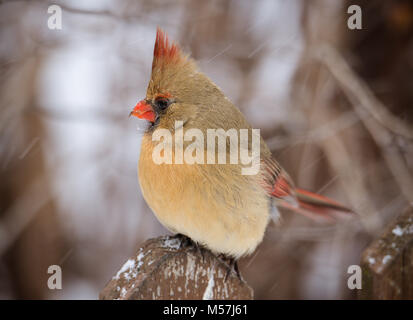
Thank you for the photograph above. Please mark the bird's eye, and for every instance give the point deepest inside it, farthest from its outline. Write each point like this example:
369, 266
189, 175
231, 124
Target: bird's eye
162, 103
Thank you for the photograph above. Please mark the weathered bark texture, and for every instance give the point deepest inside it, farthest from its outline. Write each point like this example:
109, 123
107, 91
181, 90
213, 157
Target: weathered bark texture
388, 262
161, 269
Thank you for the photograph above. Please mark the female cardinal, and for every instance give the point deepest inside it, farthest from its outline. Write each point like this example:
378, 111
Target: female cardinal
213, 204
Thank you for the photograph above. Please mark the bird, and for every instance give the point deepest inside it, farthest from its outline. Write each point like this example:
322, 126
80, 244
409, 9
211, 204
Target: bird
214, 205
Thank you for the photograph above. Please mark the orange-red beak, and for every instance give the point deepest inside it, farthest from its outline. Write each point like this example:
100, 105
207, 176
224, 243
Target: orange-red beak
144, 110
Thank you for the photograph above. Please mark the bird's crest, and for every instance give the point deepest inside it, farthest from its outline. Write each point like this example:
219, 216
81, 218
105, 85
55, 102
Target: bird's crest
165, 52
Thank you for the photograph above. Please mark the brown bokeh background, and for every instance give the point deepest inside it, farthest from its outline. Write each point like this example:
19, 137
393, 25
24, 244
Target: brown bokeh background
335, 106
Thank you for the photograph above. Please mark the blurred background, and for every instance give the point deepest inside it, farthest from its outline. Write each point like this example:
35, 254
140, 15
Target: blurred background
335, 106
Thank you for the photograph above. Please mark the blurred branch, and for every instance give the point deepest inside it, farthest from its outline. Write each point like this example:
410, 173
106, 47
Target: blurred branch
130, 15
364, 100
356, 88
317, 134
22, 212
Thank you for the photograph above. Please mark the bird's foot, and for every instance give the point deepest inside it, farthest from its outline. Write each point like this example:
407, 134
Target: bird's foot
232, 265
187, 242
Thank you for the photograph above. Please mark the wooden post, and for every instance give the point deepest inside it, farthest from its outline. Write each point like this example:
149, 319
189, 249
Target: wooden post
387, 263
161, 269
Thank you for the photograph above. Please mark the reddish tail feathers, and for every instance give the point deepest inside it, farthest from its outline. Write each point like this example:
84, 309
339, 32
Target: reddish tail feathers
310, 204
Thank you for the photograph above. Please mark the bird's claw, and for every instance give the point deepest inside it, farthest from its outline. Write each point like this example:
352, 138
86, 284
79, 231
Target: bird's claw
187, 242
232, 266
